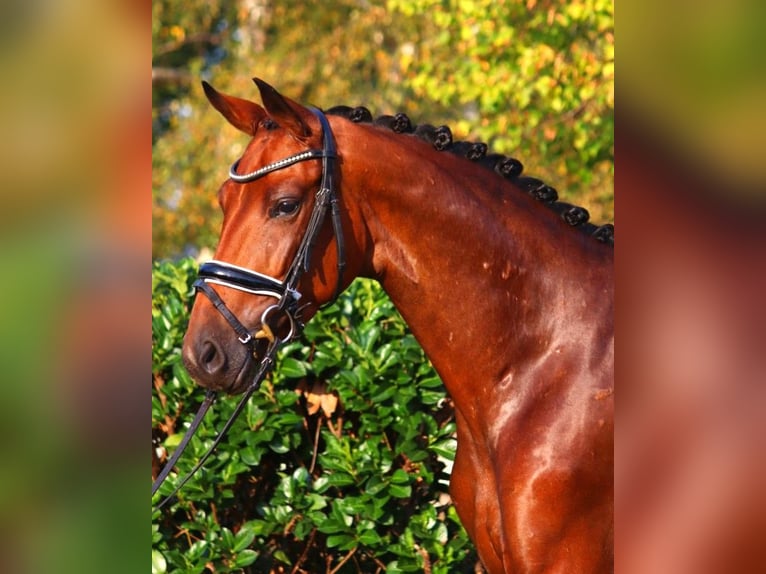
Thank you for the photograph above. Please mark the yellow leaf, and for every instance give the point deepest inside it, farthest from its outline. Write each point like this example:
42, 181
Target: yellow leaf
317, 397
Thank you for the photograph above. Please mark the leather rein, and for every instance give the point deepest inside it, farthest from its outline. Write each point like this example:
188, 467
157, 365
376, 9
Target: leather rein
249, 281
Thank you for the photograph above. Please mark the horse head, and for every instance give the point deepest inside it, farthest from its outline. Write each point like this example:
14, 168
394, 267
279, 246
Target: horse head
279, 258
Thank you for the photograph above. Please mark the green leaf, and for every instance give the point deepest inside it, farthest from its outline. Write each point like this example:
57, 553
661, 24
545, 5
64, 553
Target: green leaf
243, 539
159, 564
174, 440
292, 368
370, 538
332, 526
341, 540
340, 479
280, 445
228, 538
400, 477
245, 558
374, 486
399, 491
282, 556
317, 501
445, 448
251, 455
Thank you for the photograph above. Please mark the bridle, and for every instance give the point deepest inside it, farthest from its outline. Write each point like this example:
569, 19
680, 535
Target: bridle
285, 291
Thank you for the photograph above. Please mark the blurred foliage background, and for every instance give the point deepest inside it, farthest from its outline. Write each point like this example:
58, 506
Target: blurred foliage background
533, 79
339, 463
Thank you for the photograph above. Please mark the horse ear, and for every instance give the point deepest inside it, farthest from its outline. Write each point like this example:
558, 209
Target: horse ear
287, 113
242, 114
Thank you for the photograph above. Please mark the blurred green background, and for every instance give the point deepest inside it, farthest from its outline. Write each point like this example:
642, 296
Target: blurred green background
78, 198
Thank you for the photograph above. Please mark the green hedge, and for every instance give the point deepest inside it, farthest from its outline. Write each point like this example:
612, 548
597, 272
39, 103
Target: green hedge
371, 497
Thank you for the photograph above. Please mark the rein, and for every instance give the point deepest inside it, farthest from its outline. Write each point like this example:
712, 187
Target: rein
249, 281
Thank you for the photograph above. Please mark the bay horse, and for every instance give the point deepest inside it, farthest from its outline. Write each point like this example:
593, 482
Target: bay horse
509, 292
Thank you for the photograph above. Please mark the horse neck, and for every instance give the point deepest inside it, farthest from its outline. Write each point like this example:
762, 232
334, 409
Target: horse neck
485, 277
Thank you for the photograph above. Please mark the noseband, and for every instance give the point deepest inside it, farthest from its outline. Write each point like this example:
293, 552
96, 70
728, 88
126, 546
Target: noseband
285, 292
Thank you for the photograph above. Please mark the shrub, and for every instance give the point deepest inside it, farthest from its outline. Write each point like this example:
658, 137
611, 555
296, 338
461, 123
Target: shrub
337, 464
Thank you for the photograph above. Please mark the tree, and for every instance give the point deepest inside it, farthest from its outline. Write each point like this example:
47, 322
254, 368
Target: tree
350, 49
534, 80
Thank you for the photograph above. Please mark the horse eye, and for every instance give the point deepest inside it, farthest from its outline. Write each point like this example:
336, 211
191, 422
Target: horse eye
285, 207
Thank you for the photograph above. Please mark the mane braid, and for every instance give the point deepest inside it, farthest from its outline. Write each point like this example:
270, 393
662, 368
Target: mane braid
399, 123
358, 114
507, 167
469, 150
440, 138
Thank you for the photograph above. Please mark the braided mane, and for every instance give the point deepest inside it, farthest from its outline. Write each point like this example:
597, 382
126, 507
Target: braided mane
510, 168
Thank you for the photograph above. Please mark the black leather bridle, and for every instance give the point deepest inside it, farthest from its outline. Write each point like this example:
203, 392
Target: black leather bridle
249, 281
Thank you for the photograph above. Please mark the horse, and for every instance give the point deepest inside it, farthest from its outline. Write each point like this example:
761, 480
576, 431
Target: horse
508, 291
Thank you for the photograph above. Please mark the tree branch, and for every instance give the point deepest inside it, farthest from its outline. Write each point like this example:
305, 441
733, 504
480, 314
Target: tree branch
346, 558
170, 75
202, 38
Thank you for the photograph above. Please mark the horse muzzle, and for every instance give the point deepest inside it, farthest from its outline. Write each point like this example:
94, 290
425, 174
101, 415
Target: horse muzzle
216, 361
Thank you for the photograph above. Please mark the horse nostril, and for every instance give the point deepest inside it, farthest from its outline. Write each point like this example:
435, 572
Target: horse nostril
212, 358
208, 353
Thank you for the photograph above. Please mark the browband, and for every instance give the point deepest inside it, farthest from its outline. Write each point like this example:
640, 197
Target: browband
280, 164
